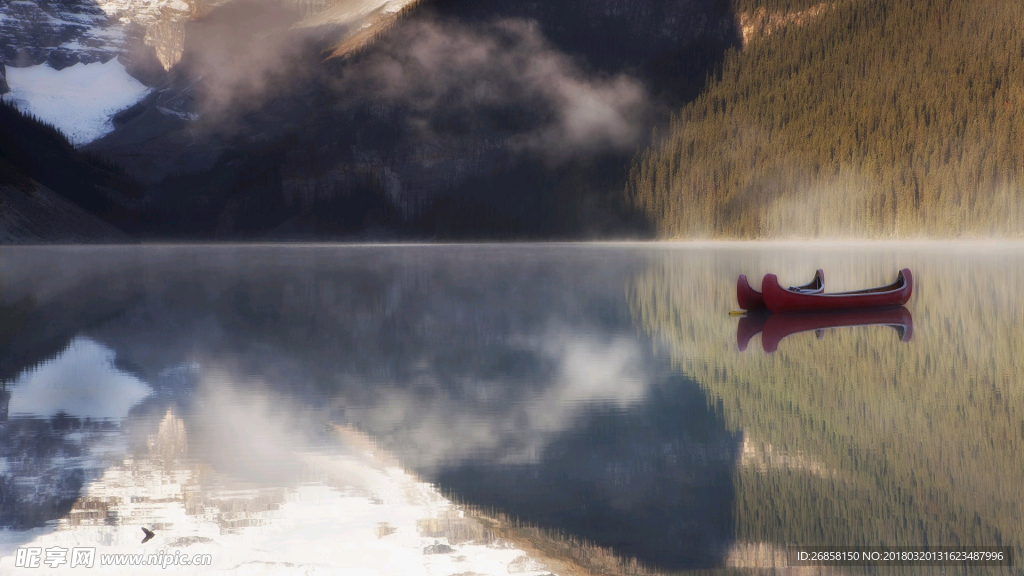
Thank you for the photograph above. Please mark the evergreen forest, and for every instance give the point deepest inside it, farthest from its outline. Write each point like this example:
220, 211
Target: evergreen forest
849, 118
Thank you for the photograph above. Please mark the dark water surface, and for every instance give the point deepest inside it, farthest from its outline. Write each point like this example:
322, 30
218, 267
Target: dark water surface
529, 409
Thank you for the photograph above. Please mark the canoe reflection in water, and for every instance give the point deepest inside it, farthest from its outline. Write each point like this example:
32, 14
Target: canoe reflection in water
775, 327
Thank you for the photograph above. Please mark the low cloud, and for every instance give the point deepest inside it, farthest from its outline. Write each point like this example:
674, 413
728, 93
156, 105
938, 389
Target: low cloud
499, 80
505, 77
243, 52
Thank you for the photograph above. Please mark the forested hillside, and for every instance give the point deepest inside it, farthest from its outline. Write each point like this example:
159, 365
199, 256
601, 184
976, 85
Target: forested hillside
49, 191
865, 118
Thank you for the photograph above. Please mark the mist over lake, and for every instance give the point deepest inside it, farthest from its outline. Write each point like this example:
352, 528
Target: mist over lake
543, 408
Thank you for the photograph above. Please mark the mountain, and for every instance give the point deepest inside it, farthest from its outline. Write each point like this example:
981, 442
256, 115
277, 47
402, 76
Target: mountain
441, 118
457, 119
76, 63
460, 120
61, 34
862, 118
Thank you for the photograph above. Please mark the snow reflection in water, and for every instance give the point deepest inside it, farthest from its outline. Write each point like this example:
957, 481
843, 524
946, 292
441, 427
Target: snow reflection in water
272, 499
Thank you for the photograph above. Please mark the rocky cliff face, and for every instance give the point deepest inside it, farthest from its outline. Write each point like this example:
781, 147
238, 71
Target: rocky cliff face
59, 34
85, 31
761, 23
144, 33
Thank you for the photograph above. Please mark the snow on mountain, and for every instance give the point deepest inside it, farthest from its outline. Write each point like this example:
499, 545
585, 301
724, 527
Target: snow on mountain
79, 100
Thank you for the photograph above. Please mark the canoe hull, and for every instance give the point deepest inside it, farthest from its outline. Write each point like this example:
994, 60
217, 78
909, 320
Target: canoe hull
779, 299
752, 300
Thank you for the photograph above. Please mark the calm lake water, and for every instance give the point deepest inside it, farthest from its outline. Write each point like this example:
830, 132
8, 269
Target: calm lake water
530, 409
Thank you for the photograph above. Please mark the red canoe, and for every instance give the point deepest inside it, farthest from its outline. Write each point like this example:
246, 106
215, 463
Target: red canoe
778, 326
750, 299
779, 299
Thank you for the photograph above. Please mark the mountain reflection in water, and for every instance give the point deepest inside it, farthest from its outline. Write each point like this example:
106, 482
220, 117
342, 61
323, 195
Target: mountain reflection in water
495, 409
435, 359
